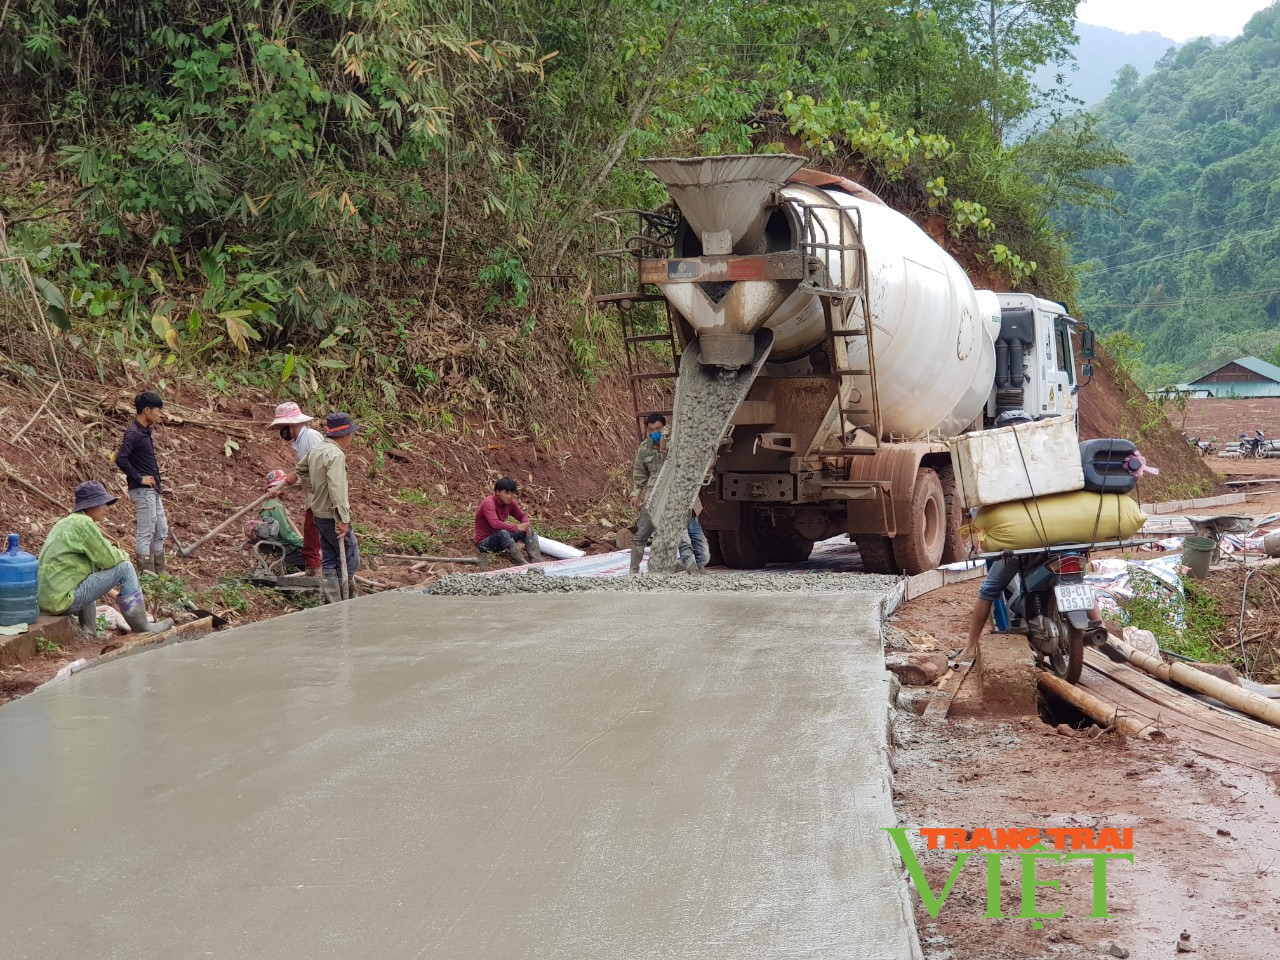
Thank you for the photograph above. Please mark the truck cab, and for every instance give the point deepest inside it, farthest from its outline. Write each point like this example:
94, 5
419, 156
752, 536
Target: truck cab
1035, 359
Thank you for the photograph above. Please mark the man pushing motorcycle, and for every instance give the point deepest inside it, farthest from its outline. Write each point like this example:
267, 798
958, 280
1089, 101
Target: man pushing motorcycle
1000, 574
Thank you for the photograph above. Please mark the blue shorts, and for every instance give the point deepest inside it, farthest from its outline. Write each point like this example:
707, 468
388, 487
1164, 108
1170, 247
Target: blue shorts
999, 576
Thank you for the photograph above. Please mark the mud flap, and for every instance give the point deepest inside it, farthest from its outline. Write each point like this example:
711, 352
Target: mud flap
1078, 619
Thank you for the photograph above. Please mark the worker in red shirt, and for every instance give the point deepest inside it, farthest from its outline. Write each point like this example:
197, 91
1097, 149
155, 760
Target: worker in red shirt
495, 533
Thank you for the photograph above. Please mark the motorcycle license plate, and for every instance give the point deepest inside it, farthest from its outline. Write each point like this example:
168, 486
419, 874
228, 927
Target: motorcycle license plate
1073, 596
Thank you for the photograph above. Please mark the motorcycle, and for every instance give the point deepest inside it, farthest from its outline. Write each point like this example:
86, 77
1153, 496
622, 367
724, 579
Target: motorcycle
1255, 446
1048, 602
1202, 447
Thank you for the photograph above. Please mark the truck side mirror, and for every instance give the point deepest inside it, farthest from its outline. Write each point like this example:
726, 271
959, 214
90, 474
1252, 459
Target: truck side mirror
1086, 371
1086, 346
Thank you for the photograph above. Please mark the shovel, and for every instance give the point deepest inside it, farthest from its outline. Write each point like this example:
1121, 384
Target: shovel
188, 551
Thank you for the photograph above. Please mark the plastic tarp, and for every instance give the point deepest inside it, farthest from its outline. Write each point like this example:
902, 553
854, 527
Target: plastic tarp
1113, 582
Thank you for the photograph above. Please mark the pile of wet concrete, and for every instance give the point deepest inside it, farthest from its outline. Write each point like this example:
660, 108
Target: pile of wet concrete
465, 585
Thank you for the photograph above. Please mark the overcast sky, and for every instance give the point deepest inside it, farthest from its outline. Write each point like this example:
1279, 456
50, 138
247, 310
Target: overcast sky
1176, 19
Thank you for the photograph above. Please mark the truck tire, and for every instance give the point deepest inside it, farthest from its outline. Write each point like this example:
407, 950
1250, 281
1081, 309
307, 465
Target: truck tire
921, 547
745, 548
790, 548
877, 555
956, 548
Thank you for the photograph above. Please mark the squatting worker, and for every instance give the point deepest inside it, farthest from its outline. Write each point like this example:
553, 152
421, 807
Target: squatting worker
137, 460
495, 533
295, 428
273, 513
650, 456
323, 475
79, 566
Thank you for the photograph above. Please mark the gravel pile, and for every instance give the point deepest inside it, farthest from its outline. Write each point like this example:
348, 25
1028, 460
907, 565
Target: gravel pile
465, 585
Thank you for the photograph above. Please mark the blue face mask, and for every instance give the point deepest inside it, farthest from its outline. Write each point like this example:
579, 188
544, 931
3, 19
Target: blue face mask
656, 436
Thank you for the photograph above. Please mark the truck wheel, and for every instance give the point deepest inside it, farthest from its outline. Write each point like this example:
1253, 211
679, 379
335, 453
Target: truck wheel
745, 548
955, 548
790, 548
877, 555
920, 548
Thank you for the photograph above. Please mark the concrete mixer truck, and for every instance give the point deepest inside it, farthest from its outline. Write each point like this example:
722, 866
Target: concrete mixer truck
851, 347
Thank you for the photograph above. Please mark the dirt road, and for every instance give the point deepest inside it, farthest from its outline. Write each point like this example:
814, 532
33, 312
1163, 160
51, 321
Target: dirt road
1206, 855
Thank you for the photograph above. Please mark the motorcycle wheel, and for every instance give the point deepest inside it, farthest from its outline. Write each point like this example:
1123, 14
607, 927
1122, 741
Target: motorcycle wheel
1068, 662
1260, 452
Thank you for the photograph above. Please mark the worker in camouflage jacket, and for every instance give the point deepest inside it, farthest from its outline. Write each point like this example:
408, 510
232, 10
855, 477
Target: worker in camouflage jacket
650, 456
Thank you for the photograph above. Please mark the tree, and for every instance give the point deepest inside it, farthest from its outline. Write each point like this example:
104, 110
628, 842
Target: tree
1126, 81
1011, 38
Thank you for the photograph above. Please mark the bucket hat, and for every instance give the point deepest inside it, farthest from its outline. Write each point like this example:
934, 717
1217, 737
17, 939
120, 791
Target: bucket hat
288, 413
339, 425
92, 494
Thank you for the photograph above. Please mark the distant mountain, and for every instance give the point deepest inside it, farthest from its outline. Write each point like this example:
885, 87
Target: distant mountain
1101, 53
1190, 265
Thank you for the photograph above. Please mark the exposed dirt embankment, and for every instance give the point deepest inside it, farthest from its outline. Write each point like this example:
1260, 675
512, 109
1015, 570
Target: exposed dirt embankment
1112, 405
413, 491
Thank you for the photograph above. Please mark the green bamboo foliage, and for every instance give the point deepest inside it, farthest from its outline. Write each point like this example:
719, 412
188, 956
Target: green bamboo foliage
310, 184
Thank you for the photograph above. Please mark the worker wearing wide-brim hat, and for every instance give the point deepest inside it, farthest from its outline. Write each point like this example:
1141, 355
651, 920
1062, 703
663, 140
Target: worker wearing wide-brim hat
295, 427
79, 566
323, 474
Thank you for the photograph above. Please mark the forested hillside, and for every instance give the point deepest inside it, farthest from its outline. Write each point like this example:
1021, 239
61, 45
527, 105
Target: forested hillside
387, 202
1189, 262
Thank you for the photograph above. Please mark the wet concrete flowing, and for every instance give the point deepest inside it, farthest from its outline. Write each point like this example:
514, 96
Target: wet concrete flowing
706, 400
406, 776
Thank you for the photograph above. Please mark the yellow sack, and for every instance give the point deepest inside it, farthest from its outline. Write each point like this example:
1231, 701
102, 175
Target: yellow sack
1080, 517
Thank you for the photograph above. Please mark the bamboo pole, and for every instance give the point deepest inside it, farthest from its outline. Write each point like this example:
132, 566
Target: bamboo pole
1260, 708
1095, 708
1180, 711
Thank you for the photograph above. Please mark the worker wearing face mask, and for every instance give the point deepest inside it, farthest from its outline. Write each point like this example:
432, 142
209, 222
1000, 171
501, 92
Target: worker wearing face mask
650, 457
295, 429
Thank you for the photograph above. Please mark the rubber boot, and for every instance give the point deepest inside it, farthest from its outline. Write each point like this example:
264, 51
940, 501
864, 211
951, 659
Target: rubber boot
516, 556
482, 560
330, 587
158, 561
88, 618
535, 551
134, 610
351, 588
688, 566
637, 554
145, 564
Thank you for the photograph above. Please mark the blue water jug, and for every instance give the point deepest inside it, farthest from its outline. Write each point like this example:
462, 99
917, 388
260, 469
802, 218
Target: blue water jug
19, 584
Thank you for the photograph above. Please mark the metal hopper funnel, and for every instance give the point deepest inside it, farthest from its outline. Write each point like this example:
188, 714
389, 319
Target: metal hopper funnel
725, 199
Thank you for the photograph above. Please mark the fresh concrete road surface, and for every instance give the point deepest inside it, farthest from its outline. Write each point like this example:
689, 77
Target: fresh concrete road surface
631, 776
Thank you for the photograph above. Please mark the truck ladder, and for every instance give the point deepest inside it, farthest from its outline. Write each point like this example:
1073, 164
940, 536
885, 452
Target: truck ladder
622, 238
849, 299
